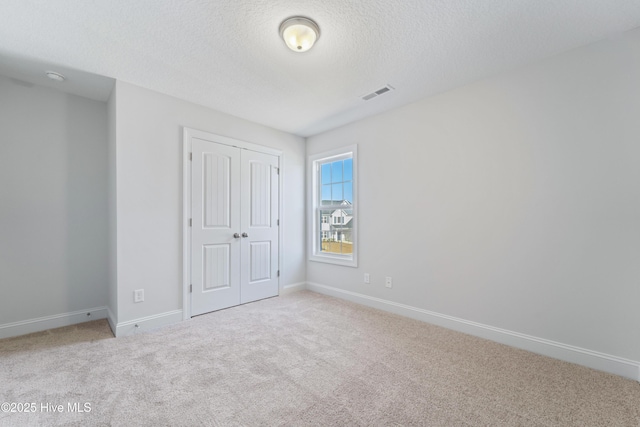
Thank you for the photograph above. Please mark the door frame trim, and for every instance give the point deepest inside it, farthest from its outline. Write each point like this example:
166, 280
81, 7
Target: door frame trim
187, 135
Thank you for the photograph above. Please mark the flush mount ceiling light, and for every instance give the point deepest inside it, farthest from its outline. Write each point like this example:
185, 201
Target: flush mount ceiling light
55, 76
299, 33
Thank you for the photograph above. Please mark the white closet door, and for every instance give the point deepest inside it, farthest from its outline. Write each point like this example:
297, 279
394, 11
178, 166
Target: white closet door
259, 213
234, 232
215, 252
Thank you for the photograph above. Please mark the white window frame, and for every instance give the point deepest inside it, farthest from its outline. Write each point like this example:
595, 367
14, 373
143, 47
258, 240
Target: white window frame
314, 220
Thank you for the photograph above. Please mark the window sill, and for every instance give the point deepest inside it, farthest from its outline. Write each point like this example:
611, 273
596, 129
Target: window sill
333, 259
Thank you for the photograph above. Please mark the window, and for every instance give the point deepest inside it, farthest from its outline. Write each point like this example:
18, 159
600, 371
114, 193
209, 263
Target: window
332, 223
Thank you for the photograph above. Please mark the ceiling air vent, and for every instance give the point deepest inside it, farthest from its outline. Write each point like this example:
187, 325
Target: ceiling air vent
381, 91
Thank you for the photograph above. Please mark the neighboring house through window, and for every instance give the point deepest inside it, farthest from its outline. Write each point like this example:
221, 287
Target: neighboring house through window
332, 230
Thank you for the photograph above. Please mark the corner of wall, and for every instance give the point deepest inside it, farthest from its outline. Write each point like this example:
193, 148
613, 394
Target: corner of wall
112, 208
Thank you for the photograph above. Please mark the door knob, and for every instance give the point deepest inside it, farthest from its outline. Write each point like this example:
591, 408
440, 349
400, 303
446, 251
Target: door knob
236, 235
245, 235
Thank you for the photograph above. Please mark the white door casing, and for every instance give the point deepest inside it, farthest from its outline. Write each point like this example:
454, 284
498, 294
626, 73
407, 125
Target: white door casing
231, 248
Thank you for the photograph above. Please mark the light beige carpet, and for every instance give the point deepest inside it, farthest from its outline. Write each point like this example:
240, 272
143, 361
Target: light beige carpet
297, 360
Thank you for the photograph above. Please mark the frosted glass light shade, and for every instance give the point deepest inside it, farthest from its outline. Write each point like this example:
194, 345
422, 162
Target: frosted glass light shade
299, 33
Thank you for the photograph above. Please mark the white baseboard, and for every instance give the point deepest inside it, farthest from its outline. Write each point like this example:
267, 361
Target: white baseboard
568, 353
111, 318
29, 326
294, 287
135, 326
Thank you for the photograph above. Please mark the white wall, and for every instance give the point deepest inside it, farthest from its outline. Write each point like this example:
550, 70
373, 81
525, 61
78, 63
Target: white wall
53, 224
513, 202
149, 195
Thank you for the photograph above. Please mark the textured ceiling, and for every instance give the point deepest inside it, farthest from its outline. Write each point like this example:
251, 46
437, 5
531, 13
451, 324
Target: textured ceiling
227, 54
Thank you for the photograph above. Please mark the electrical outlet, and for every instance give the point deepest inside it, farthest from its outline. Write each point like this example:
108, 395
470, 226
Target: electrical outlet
388, 282
367, 279
138, 295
